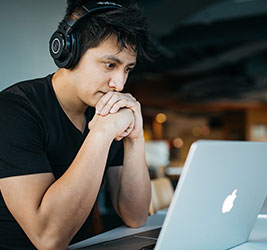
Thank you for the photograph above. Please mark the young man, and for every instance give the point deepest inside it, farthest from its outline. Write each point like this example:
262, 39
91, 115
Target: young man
62, 134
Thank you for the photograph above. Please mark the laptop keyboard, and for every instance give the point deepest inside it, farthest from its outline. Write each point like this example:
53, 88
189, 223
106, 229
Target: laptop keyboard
154, 233
141, 241
148, 247
149, 234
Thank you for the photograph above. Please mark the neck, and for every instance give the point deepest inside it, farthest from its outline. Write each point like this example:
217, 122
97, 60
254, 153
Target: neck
66, 94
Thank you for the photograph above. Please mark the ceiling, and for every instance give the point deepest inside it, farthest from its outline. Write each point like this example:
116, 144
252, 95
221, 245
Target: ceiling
209, 52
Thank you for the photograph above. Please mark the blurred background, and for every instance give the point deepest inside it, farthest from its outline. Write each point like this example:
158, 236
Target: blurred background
209, 80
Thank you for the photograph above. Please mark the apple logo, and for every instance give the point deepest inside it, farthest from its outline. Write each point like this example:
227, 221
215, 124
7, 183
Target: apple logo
229, 202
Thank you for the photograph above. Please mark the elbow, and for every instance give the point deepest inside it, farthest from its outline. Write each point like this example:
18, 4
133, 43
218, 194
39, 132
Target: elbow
51, 243
136, 223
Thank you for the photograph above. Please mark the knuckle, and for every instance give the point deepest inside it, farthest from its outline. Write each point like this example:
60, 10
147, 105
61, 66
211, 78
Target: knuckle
125, 101
117, 94
130, 96
138, 104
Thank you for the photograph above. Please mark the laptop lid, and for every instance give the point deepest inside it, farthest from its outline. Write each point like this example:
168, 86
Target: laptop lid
251, 246
218, 197
264, 207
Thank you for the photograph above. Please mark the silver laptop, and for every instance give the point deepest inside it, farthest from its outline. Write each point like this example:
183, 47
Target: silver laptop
264, 207
219, 195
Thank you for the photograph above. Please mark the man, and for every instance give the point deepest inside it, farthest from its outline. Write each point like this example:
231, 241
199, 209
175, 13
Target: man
62, 134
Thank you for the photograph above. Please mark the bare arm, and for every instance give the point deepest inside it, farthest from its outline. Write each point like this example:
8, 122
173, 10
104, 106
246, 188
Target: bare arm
51, 212
130, 186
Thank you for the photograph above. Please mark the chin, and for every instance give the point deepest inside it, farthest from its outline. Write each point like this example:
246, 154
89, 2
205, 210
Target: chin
91, 102
94, 100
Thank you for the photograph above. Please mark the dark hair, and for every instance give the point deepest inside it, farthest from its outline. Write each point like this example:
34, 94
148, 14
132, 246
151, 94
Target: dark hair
128, 24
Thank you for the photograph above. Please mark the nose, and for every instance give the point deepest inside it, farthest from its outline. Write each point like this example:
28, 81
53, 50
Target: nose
117, 81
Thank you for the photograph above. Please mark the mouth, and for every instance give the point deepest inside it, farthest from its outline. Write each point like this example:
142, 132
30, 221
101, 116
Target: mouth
101, 92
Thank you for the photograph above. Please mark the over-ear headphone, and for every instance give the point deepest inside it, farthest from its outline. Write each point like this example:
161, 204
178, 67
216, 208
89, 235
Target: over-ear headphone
63, 44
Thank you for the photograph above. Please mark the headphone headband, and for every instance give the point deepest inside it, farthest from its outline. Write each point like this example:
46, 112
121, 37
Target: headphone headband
82, 11
63, 43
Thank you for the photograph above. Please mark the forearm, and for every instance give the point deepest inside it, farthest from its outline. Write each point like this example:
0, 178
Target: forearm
135, 191
68, 201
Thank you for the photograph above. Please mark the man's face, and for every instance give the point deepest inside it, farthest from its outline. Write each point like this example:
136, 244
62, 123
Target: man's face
102, 69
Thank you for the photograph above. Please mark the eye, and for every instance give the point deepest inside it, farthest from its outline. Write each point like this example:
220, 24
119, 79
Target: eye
110, 65
129, 69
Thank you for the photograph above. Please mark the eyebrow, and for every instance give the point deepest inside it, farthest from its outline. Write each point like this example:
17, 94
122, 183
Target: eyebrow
117, 60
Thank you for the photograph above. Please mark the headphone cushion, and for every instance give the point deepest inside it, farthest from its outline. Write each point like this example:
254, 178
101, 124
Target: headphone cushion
73, 53
62, 48
56, 45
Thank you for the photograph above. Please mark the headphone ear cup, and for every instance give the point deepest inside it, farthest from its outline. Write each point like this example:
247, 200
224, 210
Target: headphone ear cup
58, 48
75, 50
57, 45
63, 49
69, 59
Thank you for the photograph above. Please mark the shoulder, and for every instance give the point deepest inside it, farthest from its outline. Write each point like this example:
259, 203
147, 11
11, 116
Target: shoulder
27, 89
24, 103
30, 94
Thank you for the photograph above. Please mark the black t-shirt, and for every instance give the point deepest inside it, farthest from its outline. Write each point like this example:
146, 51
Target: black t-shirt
36, 136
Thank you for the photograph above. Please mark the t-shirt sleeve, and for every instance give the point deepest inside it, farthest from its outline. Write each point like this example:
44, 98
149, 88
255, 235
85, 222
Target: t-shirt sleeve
21, 139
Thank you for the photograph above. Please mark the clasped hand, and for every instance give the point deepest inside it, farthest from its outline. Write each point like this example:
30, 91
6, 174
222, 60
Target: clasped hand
112, 106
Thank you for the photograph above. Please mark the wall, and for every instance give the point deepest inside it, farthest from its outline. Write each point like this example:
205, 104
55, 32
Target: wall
25, 29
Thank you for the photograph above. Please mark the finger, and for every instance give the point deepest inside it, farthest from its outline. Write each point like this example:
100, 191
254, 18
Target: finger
111, 102
128, 130
103, 101
118, 138
124, 103
131, 127
138, 116
124, 134
129, 96
138, 125
107, 102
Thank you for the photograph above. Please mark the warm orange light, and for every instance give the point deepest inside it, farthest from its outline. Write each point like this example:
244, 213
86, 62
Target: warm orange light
205, 130
196, 131
161, 118
178, 142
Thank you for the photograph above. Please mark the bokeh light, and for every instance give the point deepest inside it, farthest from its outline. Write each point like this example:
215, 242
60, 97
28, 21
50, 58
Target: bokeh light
161, 118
